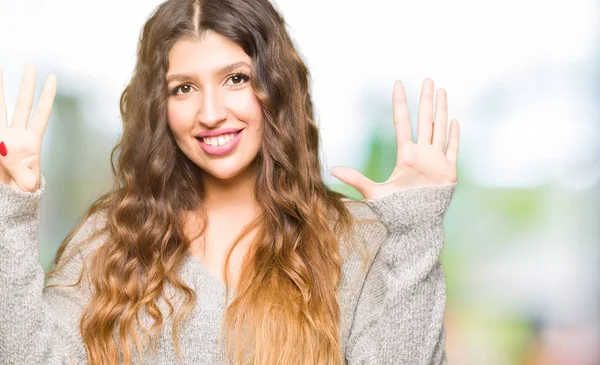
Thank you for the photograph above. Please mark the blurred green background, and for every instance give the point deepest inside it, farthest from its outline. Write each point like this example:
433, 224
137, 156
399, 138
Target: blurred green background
522, 233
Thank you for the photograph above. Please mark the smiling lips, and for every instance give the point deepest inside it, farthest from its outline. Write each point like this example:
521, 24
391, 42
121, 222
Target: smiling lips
219, 142
217, 132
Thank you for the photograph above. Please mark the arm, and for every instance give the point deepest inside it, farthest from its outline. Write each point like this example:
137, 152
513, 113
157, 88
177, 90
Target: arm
37, 326
400, 310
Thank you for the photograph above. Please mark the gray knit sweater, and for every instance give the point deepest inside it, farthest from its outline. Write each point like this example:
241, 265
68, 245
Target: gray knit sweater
392, 311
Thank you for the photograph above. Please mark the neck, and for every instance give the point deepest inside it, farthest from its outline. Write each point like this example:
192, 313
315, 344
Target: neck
235, 194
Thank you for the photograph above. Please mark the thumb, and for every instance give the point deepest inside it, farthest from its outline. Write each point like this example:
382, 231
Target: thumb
27, 180
353, 178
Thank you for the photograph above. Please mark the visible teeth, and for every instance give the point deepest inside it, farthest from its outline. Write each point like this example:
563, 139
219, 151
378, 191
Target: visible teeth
220, 140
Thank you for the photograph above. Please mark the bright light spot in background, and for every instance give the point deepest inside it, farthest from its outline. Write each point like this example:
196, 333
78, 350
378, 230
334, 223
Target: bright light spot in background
538, 142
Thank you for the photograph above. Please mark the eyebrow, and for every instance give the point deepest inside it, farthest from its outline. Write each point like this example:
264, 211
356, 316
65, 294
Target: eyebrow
223, 70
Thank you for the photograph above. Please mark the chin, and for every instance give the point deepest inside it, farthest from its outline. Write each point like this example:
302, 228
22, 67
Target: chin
224, 173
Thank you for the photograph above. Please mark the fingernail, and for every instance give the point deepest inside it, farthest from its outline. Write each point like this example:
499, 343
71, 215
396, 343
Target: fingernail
3, 151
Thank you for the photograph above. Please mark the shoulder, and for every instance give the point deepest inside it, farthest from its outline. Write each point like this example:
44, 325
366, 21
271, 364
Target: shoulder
366, 221
367, 233
357, 253
86, 238
91, 231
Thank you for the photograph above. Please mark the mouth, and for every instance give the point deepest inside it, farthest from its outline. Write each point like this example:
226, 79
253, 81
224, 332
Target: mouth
222, 144
219, 140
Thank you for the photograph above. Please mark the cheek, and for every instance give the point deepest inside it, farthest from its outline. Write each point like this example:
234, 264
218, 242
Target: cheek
246, 106
178, 117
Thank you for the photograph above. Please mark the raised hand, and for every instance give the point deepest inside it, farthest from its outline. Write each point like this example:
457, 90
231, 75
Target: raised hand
20, 145
429, 162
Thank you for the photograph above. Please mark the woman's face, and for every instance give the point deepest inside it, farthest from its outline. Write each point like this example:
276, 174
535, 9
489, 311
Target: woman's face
210, 93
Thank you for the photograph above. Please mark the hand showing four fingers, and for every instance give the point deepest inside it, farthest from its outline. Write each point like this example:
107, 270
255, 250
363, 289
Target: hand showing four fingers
20, 145
429, 162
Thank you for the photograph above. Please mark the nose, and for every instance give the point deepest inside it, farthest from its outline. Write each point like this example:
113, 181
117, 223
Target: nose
212, 109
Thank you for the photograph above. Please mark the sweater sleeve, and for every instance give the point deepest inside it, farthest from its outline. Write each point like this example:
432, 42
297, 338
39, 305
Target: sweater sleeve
37, 325
400, 310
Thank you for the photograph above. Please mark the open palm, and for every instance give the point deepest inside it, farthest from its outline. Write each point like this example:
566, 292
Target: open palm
20, 166
428, 162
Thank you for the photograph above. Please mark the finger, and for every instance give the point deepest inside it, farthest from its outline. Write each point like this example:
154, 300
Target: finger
353, 178
401, 117
452, 148
44, 108
3, 117
425, 118
25, 99
441, 119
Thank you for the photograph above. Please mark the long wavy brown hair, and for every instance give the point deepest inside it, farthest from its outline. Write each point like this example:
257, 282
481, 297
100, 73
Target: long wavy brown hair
286, 309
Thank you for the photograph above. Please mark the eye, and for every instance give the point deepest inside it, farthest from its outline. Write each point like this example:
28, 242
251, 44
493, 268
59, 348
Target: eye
238, 79
182, 87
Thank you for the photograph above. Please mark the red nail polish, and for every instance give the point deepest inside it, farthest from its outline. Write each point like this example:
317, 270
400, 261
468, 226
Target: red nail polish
3, 151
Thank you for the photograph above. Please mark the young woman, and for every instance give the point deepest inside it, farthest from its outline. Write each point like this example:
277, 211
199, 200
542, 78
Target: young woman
220, 243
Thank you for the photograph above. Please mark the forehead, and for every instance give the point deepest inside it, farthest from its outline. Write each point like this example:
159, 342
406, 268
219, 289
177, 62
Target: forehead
212, 52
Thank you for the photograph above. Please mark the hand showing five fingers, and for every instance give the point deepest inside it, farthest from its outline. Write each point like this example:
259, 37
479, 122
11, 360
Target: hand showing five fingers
20, 145
429, 162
